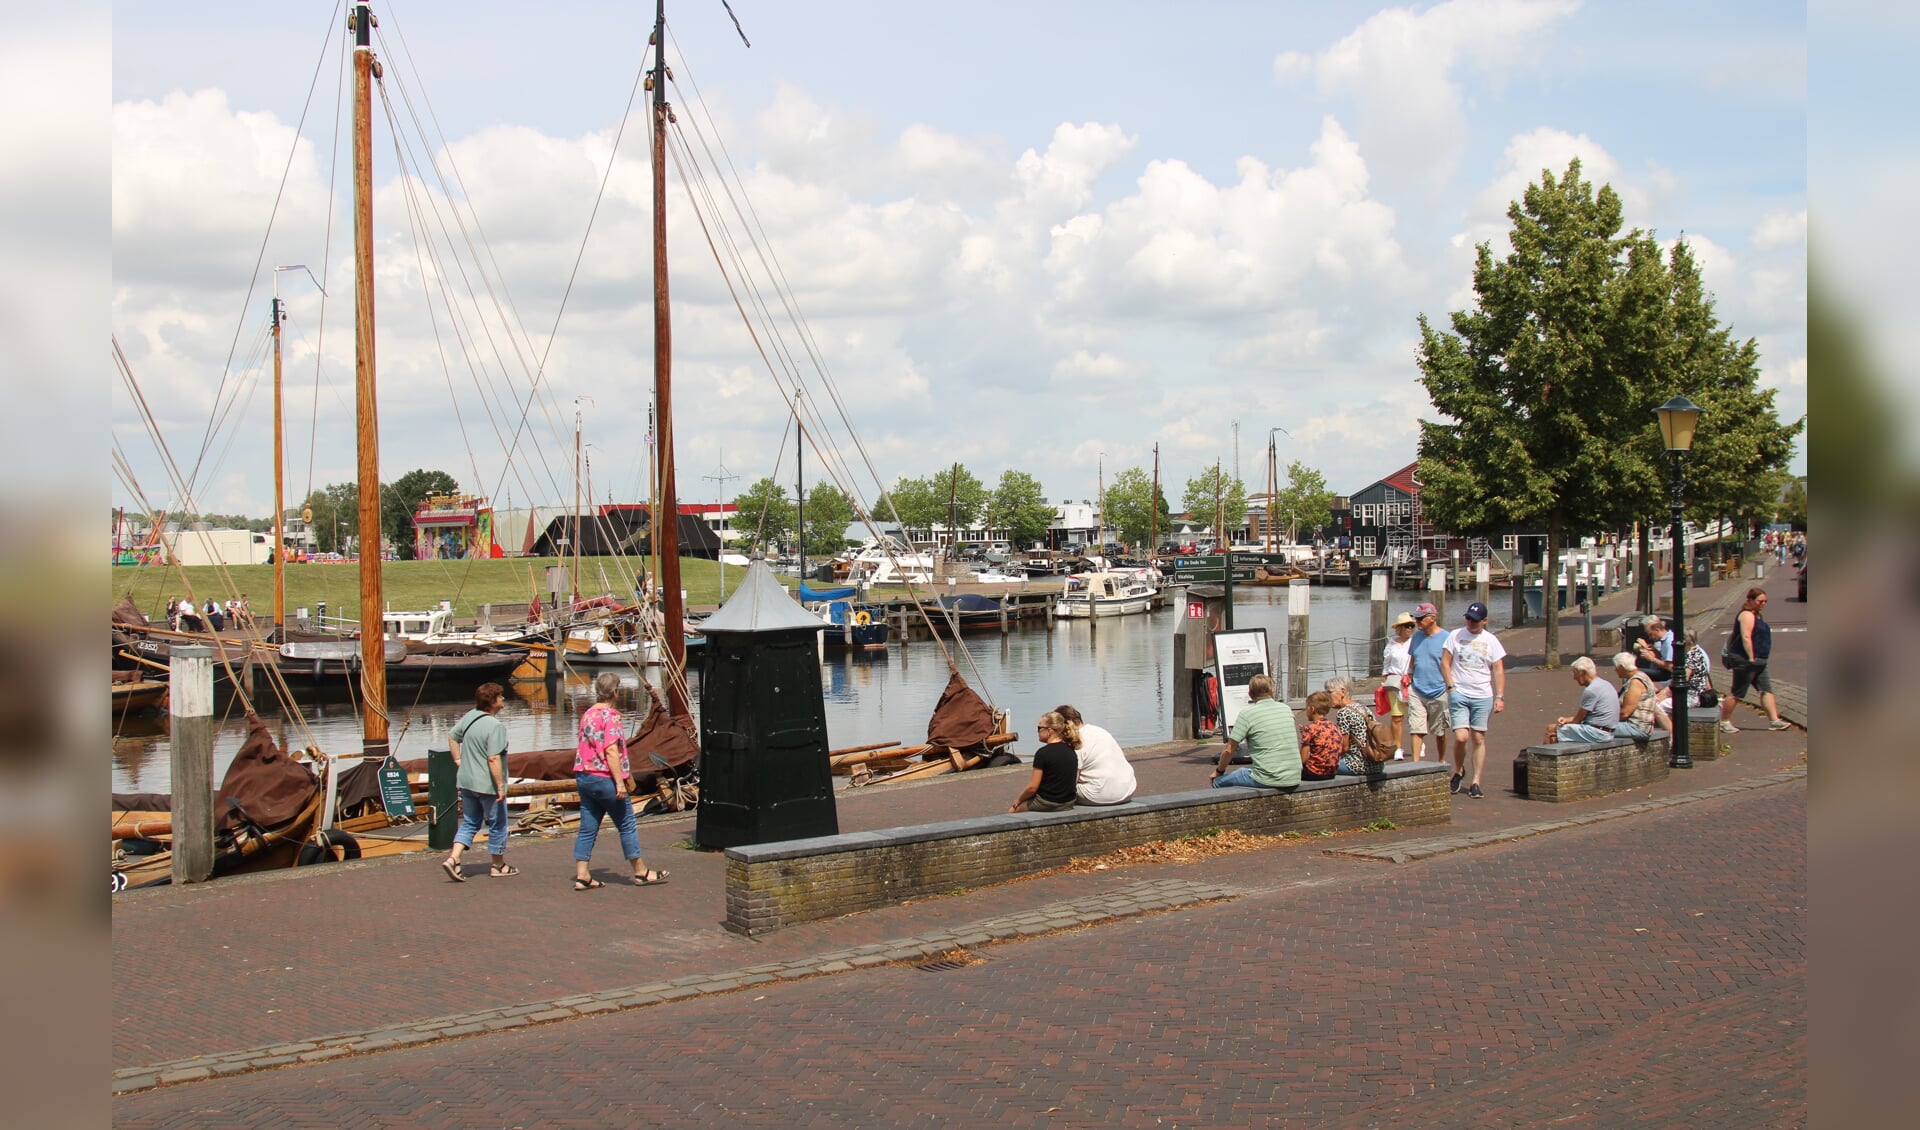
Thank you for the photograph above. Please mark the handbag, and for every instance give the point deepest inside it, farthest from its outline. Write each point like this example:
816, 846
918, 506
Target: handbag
1382, 701
1379, 745
1709, 697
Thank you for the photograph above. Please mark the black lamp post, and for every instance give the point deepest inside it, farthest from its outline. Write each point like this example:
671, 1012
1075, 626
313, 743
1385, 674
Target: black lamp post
1677, 419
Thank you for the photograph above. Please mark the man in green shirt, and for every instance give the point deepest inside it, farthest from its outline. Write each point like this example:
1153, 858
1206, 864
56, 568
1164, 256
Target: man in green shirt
1265, 729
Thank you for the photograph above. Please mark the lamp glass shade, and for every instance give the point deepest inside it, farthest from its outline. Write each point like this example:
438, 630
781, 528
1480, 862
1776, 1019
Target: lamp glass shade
1677, 420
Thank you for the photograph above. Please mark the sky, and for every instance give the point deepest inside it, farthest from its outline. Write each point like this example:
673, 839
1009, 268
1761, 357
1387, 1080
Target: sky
1038, 237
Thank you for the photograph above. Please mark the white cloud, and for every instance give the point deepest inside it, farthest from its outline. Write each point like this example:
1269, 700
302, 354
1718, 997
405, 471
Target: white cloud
1403, 70
1780, 229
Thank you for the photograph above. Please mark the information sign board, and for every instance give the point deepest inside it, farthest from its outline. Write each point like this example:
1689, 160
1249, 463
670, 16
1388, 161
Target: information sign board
396, 792
1239, 655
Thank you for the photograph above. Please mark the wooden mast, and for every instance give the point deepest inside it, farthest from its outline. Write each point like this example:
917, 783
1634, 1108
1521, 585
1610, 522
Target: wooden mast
666, 534
373, 656
279, 483
1153, 514
800, 488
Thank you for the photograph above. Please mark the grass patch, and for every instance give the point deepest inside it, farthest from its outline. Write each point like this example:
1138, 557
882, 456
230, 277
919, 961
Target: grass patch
407, 585
1200, 834
1381, 825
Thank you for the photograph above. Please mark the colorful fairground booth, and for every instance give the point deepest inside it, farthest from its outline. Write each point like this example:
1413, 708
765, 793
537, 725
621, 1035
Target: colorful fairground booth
448, 527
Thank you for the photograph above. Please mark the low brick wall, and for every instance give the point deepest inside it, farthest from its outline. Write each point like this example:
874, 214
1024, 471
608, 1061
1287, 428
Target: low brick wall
1564, 771
770, 886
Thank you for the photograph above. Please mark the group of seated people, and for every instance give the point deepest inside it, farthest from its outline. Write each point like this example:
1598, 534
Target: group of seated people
1643, 703
1338, 740
1080, 764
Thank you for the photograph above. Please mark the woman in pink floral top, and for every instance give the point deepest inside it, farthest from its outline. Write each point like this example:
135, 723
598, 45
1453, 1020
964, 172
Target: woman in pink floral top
600, 773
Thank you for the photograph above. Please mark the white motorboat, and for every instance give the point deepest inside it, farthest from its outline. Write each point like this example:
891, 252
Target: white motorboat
1105, 594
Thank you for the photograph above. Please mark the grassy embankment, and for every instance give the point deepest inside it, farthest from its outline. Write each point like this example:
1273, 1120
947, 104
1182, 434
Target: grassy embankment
408, 585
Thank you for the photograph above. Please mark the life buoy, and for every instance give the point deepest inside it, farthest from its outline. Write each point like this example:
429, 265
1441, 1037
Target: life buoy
328, 845
863, 618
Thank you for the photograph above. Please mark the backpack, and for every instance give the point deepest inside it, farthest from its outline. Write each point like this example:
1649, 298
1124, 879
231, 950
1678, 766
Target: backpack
1321, 745
1380, 744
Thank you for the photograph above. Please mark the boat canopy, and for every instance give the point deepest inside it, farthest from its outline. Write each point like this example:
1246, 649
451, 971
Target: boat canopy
810, 595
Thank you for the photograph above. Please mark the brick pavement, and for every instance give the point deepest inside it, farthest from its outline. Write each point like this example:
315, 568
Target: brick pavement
282, 958
1644, 969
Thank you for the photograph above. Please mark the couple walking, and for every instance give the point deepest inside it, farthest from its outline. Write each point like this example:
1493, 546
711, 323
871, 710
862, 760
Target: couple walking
600, 771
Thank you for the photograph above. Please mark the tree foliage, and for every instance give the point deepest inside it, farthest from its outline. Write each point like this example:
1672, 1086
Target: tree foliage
1212, 491
1019, 507
1546, 388
827, 514
1134, 507
764, 516
910, 502
1793, 505
960, 498
336, 514
1303, 501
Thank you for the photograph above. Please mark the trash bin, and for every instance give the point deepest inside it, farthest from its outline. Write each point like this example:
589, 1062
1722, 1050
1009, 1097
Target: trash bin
1702, 571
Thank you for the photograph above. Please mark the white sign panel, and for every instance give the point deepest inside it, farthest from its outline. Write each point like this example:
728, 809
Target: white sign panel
1238, 657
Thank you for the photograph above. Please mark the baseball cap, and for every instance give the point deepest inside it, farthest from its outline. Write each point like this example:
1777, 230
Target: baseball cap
1476, 611
1424, 609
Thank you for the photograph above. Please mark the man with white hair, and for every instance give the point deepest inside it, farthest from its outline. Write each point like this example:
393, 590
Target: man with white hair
1599, 710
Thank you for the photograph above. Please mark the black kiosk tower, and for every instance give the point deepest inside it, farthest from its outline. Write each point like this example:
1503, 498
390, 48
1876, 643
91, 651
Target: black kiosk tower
763, 722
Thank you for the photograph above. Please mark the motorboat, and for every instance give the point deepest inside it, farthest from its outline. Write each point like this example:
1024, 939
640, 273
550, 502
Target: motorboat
1105, 594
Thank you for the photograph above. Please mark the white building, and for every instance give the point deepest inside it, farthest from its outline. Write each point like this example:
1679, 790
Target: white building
201, 546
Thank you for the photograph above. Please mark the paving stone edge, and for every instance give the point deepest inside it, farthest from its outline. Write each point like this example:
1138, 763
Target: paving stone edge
1145, 897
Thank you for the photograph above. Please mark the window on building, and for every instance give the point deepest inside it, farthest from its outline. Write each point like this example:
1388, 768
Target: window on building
1364, 546
1510, 543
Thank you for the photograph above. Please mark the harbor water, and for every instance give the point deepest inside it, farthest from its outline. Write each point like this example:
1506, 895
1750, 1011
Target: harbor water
1118, 671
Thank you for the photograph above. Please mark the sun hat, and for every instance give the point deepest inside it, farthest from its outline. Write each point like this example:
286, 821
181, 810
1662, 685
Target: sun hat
1403, 621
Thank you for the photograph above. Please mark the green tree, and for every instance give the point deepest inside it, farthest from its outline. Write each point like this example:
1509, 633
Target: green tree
960, 498
828, 514
1019, 507
1793, 504
1302, 501
1214, 496
765, 516
1134, 506
1545, 386
400, 498
911, 503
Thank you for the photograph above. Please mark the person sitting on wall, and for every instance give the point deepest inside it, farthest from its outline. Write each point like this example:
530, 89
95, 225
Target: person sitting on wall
1638, 718
1055, 765
1105, 775
1265, 729
1655, 653
1321, 741
1598, 713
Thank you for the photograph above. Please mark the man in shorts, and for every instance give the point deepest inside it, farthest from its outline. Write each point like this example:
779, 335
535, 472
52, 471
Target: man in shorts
1427, 687
1474, 663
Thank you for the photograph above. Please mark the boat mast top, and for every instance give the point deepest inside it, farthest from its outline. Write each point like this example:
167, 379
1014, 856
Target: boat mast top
373, 659
666, 523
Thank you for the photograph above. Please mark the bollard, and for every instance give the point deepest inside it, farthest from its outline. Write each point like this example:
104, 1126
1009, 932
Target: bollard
1437, 589
1377, 625
1517, 577
1482, 581
1182, 689
443, 799
1703, 733
1299, 604
190, 750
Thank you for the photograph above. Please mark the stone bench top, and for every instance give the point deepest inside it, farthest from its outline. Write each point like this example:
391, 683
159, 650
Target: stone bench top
1568, 749
1019, 821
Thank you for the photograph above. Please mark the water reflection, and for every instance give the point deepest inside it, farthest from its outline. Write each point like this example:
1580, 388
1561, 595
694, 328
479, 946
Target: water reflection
1117, 671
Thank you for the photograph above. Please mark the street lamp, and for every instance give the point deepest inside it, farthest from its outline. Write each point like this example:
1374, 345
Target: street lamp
1677, 419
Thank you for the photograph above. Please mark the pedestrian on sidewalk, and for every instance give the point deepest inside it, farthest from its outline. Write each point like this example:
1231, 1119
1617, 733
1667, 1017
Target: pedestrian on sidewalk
1748, 648
1473, 660
479, 745
1396, 665
1105, 776
1598, 712
1427, 688
1265, 729
601, 773
1055, 765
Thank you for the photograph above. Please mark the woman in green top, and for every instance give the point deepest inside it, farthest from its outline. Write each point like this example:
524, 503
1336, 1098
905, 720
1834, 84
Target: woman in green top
479, 744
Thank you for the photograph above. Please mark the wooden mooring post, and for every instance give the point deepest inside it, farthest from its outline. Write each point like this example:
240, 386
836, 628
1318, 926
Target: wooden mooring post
1299, 607
1482, 581
1437, 589
190, 751
1377, 625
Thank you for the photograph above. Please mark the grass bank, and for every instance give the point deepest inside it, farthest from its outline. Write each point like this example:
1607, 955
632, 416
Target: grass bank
408, 585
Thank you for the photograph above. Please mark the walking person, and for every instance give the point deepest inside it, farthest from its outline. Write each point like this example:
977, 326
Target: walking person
1426, 685
601, 774
1396, 663
1745, 655
1474, 663
479, 745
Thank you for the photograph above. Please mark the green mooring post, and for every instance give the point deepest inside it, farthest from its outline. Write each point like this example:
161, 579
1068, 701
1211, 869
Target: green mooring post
443, 799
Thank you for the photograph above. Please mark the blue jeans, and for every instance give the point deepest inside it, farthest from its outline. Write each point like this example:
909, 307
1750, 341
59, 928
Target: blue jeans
476, 808
1242, 778
599, 799
1581, 732
1469, 713
1629, 730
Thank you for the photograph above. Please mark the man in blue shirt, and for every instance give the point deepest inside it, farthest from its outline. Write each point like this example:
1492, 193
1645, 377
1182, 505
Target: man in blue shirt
1427, 686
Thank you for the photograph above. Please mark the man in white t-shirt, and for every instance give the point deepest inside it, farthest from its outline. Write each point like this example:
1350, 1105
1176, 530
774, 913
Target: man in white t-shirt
1474, 666
1105, 776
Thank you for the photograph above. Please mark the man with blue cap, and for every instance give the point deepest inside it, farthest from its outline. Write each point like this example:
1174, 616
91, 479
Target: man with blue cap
1474, 664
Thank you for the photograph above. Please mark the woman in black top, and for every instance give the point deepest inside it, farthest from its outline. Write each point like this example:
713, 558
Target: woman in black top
1055, 767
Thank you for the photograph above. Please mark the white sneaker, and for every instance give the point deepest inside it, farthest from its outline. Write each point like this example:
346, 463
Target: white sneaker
1729, 728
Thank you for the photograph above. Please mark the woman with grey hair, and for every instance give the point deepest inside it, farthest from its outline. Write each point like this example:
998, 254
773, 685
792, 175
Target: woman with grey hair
1638, 718
600, 773
1352, 720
